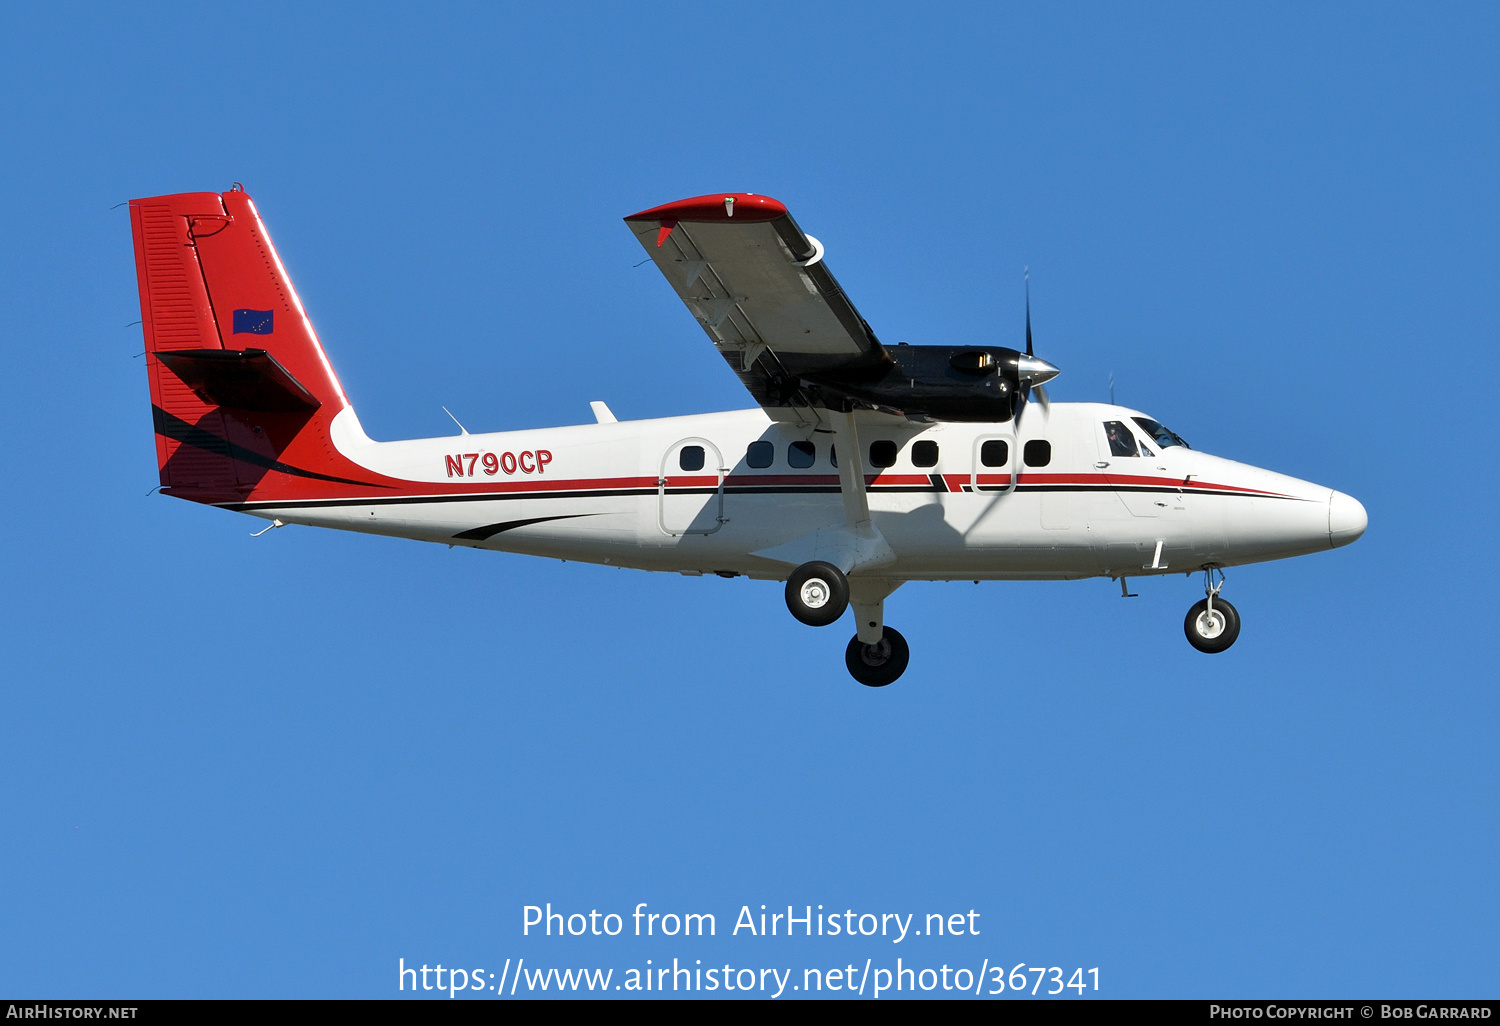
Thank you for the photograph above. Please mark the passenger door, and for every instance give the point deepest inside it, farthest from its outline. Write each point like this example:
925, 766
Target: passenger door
993, 466
1051, 466
690, 488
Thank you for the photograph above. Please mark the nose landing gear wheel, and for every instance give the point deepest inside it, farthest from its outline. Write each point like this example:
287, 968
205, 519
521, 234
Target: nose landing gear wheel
879, 664
1212, 630
817, 593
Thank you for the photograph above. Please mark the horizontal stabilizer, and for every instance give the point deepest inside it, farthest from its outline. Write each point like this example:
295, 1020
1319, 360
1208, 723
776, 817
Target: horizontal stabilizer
240, 379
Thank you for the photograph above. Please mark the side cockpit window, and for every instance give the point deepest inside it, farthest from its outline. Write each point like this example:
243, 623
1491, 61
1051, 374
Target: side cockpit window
1121, 441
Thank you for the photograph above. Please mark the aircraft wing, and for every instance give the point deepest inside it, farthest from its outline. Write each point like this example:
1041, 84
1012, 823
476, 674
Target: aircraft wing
759, 287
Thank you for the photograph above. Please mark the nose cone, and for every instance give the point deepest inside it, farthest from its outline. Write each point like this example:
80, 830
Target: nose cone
1346, 519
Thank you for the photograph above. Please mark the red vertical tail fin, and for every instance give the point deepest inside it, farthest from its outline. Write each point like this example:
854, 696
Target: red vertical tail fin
242, 394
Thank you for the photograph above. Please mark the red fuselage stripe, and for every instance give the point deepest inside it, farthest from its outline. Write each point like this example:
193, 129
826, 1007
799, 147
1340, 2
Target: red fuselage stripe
543, 488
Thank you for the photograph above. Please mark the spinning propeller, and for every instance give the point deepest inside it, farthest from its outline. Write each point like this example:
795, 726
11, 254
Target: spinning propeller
1032, 372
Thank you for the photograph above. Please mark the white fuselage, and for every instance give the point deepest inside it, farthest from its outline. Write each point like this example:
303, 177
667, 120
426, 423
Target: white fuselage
623, 494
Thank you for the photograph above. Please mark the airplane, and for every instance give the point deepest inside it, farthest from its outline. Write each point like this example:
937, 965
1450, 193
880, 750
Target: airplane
862, 466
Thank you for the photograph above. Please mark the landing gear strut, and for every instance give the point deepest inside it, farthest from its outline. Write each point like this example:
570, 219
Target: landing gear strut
817, 593
1212, 624
879, 664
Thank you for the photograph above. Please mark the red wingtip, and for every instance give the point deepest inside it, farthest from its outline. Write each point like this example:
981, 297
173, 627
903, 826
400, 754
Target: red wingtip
721, 207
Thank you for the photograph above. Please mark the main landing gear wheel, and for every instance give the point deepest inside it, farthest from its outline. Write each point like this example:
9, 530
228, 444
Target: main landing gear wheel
1212, 630
817, 593
879, 664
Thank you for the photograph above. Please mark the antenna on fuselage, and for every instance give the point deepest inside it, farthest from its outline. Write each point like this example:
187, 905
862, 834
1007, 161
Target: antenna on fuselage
461, 429
1111, 388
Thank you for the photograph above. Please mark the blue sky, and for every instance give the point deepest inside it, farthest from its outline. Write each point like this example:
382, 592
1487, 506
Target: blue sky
272, 767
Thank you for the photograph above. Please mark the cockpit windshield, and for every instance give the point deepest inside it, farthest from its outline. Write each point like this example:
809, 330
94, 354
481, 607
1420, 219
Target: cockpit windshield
1163, 437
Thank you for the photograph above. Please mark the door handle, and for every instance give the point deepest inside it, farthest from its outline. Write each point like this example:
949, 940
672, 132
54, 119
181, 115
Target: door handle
1102, 464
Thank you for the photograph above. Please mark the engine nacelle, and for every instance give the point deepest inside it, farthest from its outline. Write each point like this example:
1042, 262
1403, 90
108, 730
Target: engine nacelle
966, 383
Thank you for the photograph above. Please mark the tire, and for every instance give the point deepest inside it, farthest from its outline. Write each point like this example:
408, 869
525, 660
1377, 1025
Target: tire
877, 665
1216, 635
817, 593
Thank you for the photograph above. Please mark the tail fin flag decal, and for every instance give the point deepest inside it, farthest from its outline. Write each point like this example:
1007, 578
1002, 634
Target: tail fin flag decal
254, 322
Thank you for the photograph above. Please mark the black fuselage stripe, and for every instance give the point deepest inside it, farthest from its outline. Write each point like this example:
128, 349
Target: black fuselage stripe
417, 500
490, 530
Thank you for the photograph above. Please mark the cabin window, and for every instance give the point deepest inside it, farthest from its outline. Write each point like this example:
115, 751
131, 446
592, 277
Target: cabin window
690, 457
801, 454
1121, 441
1037, 453
883, 453
760, 455
994, 453
924, 453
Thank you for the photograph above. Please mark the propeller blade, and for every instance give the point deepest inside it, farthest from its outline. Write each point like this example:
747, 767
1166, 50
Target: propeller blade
1035, 394
1028, 312
1031, 372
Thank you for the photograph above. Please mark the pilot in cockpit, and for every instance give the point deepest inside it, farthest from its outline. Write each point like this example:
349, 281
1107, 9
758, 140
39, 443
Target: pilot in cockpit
1121, 441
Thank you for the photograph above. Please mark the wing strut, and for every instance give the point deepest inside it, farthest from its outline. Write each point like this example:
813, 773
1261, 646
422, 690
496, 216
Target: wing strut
851, 471
866, 594
869, 548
